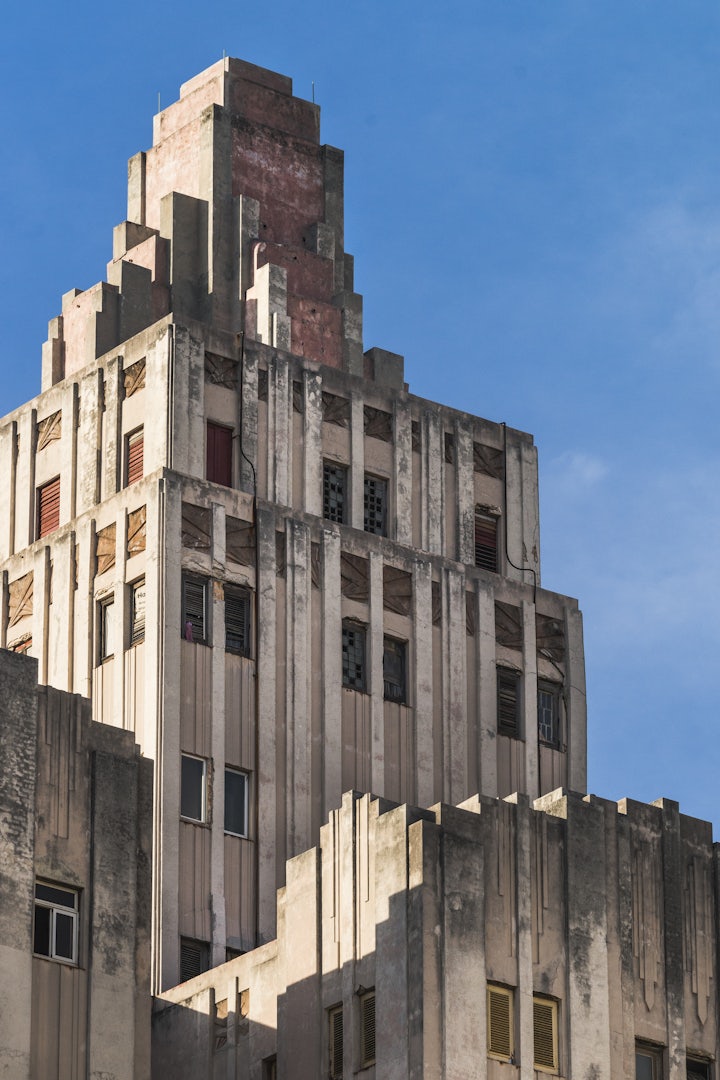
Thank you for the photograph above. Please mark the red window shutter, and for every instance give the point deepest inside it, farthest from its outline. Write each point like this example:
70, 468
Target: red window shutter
219, 455
48, 513
135, 457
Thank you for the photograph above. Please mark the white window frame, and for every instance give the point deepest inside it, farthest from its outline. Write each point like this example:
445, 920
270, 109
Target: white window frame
203, 819
106, 628
56, 908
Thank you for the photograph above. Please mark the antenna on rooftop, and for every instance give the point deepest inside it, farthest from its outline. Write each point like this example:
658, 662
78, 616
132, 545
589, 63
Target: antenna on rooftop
158, 101
313, 91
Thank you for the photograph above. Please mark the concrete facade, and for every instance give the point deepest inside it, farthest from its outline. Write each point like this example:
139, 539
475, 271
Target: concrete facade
76, 815
228, 340
599, 918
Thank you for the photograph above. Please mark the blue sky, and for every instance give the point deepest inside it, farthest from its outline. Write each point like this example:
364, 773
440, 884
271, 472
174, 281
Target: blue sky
533, 201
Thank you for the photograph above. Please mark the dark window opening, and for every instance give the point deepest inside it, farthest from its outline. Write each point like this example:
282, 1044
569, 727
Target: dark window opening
336, 1047
194, 613
648, 1062
334, 492
394, 670
353, 656
193, 788
194, 958
375, 505
508, 702
697, 1069
236, 802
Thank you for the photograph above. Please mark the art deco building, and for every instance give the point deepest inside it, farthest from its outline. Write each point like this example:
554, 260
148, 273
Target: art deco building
247, 542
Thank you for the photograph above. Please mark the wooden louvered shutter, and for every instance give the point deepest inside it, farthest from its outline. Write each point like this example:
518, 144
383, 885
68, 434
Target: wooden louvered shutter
485, 540
135, 450
508, 702
545, 1034
367, 1029
499, 1022
219, 454
194, 610
193, 958
48, 510
336, 1042
237, 622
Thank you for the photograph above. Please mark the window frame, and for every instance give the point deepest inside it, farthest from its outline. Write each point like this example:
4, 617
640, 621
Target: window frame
57, 908
204, 818
349, 681
486, 550
131, 440
374, 479
105, 628
341, 473
197, 581
554, 691
239, 594
695, 1062
506, 992
137, 627
40, 495
245, 834
539, 1001
504, 675
400, 696
336, 1035
655, 1055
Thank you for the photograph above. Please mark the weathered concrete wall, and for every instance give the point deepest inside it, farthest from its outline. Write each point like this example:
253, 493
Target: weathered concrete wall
429, 908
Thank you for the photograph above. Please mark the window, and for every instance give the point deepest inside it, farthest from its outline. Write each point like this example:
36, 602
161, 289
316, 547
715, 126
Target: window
194, 958
137, 612
697, 1069
335, 1020
334, 492
193, 788
486, 540
648, 1062
375, 505
236, 802
218, 457
134, 449
269, 1068
508, 702
48, 507
500, 1023
106, 636
194, 613
55, 927
394, 678
353, 656
367, 1029
237, 621
545, 1042
549, 713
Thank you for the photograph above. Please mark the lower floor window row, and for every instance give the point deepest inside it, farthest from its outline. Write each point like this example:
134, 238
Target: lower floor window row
501, 1029
336, 1042
194, 803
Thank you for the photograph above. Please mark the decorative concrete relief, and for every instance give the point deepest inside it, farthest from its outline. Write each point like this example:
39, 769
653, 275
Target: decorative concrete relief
336, 410
397, 590
240, 541
508, 625
20, 599
550, 636
134, 378
488, 460
378, 424
699, 932
49, 430
220, 370
647, 946
137, 531
354, 577
105, 549
196, 526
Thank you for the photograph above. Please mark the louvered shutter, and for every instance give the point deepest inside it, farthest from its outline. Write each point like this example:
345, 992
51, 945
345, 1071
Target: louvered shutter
194, 610
237, 622
48, 512
193, 958
336, 1042
499, 1022
135, 451
508, 702
544, 1035
367, 1029
485, 541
